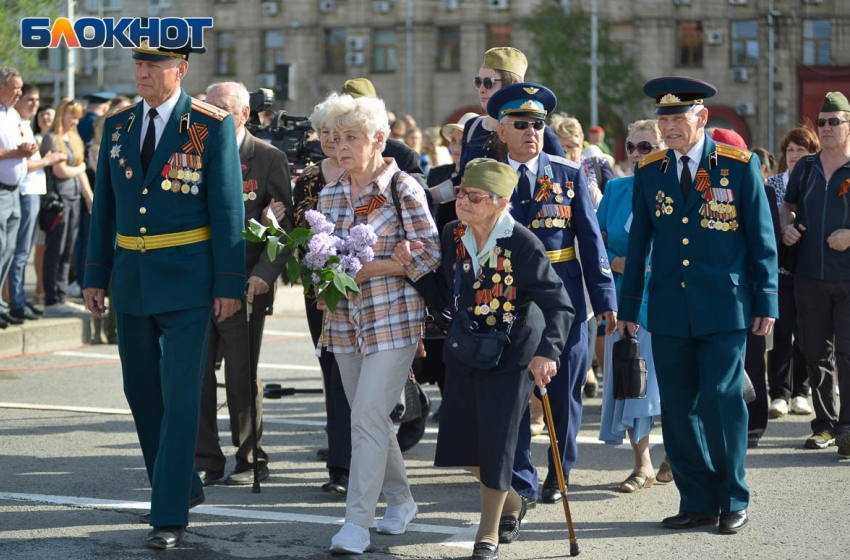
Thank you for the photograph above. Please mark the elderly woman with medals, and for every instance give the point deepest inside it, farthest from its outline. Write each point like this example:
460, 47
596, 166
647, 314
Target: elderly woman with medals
511, 316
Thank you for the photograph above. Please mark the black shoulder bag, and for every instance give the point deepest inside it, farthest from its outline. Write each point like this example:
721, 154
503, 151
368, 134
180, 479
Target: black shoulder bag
437, 317
787, 255
629, 370
52, 206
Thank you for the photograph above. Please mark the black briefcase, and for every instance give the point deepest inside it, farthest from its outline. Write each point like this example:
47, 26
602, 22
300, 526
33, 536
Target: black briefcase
629, 370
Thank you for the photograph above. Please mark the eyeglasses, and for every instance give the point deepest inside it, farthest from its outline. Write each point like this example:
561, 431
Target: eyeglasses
522, 125
642, 147
834, 121
487, 82
474, 198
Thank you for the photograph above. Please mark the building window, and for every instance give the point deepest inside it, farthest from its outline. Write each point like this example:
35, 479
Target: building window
383, 50
272, 50
622, 38
690, 44
816, 42
448, 49
335, 50
226, 54
498, 35
745, 43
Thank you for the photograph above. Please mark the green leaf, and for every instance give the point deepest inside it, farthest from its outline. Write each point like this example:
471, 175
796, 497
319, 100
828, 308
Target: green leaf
339, 281
293, 269
257, 229
250, 236
331, 297
274, 225
350, 284
274, 247
298, 236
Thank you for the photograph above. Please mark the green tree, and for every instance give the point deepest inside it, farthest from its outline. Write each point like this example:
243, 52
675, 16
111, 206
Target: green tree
11, 52
561, 59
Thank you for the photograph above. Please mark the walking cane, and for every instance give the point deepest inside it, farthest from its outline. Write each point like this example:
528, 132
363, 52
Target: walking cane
252, 365
559, 470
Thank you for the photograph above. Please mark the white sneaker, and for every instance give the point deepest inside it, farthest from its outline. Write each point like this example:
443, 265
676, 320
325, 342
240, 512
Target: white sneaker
396, 518
800, 405
351, 539
778, 408
74, 290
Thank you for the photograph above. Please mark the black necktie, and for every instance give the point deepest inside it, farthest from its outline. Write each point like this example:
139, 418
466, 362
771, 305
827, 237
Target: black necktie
685, 179
524, 185
149, 145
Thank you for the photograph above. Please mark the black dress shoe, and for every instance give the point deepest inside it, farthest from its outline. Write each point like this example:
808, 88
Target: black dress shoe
731, 523
11, 320
164, 537
591, 390
322, 454
209, 477
35, 309
195, 500
687, 520
485, 551
3, 324
509, 526
529, 503
551, 493
24, 313
338, 484
241, 478
752, 442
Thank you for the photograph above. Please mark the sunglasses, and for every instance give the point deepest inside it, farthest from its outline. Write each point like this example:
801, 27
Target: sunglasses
522, 125
488, 83
474, 198
834, 121
642, 147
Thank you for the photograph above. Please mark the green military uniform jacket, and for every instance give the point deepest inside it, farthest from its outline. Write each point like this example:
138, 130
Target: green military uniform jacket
713, 261
194, 181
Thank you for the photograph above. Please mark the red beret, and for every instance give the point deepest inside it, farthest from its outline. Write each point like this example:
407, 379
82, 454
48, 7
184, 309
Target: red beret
597, 129
728, 136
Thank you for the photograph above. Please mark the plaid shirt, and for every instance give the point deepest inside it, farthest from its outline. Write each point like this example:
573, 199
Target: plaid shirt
387, 314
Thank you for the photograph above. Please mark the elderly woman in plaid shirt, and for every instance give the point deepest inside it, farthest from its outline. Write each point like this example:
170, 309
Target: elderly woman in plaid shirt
373, 335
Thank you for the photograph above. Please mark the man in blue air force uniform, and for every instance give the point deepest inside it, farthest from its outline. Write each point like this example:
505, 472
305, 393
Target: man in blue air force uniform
714, 275
168, 195
553, 201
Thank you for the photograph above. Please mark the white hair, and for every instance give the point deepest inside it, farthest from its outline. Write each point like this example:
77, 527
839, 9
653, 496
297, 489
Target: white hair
234, 89
317, 117
367, 114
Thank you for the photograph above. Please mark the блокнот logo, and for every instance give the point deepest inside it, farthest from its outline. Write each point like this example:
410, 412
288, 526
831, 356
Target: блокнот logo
91, 33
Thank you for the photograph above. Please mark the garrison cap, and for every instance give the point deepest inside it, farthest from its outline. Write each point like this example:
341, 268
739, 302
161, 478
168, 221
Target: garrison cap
491, 176
522, 100
359, 87
506, 58
834, 101
100, 97
677, 94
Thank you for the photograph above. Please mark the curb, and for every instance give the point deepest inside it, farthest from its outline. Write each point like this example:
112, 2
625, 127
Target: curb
46, 335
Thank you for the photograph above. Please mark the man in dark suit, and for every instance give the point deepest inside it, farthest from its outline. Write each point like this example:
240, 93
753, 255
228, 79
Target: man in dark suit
265, 184
702, 208
165, 226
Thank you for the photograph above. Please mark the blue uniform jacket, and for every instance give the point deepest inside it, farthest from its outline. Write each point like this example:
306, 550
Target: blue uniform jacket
128, 203
712, 270
581, 226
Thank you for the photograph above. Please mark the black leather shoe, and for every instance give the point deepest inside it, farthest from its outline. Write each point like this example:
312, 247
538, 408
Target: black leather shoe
529, 503
509, 526
11, 320
195, 500
752, 442
322, 454
485, 551
551, 493
35, 309
3, 324
241, 478
338, 484
731, 523
164, 537
209, 477
687, 520
24, 313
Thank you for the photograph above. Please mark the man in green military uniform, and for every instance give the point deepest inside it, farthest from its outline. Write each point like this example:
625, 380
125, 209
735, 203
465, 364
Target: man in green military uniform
703, 209
168, 195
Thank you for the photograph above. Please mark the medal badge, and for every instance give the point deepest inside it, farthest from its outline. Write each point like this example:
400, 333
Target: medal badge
724, 181
128, 172
195, 189
570, 192
116, 136
115, 151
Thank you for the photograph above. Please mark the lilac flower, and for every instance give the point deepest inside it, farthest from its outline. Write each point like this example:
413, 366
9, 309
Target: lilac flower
321, 247
315, 278
318, 222
360, 240
351, 265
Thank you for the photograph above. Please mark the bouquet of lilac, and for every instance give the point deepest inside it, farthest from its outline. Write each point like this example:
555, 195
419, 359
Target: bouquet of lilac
325, 263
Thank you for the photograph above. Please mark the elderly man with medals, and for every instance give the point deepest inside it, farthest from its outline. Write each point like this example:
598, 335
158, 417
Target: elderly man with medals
553, 201
703, 209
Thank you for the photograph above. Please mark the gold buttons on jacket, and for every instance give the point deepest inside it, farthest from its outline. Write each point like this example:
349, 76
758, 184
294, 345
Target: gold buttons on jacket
685, 241
143, 230
686, 262
143, 210
145, 191
683, 284
685, 220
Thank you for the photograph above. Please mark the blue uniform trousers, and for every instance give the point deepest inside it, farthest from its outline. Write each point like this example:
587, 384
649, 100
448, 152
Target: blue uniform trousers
704, 418
163, 358
565, 399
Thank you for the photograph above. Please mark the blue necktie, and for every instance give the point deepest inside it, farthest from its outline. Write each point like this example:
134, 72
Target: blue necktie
524, 185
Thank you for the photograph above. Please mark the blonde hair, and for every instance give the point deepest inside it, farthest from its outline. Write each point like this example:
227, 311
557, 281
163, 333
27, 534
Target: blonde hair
565, 126
78, 148
367, 114
647, 125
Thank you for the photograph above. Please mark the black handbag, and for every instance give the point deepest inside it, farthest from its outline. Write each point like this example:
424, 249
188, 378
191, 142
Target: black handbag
409, 406
629, 370
51, 213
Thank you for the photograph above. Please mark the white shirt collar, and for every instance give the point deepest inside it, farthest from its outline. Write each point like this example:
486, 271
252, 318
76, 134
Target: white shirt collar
531, 164
504, 227
164, 111
240, 137
695, 153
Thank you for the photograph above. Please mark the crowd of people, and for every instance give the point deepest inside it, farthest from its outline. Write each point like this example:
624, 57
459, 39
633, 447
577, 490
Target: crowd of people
546, 252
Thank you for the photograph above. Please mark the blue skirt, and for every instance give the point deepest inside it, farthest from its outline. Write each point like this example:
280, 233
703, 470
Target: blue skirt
637, 415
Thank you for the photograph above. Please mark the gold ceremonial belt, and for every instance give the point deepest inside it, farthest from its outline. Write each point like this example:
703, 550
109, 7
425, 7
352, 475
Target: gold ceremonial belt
146, 242
562, 255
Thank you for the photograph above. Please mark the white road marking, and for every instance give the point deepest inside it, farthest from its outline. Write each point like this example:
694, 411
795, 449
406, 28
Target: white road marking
76, 354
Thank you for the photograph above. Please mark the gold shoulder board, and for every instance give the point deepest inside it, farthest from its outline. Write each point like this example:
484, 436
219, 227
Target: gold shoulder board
657, 156
208, 110
732, 152
119, 111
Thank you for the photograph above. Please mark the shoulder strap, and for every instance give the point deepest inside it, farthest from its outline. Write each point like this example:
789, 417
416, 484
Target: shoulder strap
475, 124
394, 193
596, 168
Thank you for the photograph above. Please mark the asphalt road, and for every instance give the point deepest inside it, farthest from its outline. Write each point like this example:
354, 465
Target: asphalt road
72, 480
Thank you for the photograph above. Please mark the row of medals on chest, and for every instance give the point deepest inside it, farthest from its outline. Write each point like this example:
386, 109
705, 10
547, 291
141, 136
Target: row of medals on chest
489, 301
176, 175
719, 215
